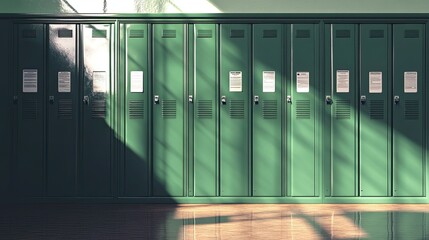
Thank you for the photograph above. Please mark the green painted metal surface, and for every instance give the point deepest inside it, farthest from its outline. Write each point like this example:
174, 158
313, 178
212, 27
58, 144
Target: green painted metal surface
268, 52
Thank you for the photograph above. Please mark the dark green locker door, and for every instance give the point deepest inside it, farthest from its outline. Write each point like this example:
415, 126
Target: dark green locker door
344, 47
205, 110
136, 163
305, 82
29, 167
96, 163
408, 115
268, 54
168, 109
62, 111
374, 126
234, 109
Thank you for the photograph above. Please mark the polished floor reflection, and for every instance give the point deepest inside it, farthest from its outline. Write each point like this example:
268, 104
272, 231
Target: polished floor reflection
226, 221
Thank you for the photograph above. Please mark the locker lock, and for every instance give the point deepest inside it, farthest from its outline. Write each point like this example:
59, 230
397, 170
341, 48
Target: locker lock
191, 98
256, 99
223, 99
328, 100
396, 99
156, 99
86, 100
289, 99
363, 99
51, 99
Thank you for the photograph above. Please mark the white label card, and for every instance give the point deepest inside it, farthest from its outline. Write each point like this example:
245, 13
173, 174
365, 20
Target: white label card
343, 81
99, 83
303, 82
136, 83
268, 81
64, 82
235, 81
29, 80
375, 82
410, 82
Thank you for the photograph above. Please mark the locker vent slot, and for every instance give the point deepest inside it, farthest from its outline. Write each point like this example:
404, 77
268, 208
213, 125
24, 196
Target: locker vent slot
65, 33
205, 109
376, 34
136, 33
98, 109
302, 34
342, 34
65, 109
269, 109
29, 33
204, 33
303, 109
412, 110
96, 33
169, 109
166, 33
236, 109
30, 109
270, 33
136, 109
411, 34
376, 109
342, 110
237, 33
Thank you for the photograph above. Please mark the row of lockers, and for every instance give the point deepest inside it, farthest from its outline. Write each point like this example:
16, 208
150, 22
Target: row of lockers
218, 110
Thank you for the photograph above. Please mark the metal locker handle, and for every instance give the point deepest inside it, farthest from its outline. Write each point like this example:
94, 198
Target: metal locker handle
396, 99
51, 99
363, 99
191, 98
289, 99
156, 99
328, 100
256, 99
86, 100
15, 99
223, 99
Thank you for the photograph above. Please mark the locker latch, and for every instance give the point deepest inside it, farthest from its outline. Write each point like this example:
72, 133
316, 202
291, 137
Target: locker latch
328, 100
289, 99
396, 99
363, 99
223, 99
86, 100
256, 99
191, 98
51, 99
156, 99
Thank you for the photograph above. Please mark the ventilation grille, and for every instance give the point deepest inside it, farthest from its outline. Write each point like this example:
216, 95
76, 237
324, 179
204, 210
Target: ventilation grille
270, 34
342, 110
411, 34
269, 109
412, 110
204, 33
65, 33
136, 33
302, 34
98, 109
136, 109
29, 33
205, 109
166, 33
96, 33
376, 34
342, 34
376, 109
30, 109
65, 109
237, 33
169, 109
303, 109
236, 109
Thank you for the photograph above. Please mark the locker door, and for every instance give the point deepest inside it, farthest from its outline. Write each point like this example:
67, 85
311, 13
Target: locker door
168, 113
408, 116
205, 112
343, 109
29, 167
374, 125
234, 110
96, 163
136, 164
305, 82
267, 118
62, 110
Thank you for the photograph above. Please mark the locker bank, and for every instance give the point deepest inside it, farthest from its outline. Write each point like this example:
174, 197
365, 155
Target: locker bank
218, 108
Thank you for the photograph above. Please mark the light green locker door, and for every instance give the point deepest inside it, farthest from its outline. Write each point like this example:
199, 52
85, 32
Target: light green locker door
408, 116
343, 52
374, 125
168, 109
268, 52
234, 109
135, 166
205, 110
304, 87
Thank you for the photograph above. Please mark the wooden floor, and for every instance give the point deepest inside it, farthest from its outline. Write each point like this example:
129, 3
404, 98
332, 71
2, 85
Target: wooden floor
233, 221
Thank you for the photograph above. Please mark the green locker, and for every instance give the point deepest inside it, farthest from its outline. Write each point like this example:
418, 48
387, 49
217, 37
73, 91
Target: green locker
302, 132
62, 118
234, 109
408, 118
374, 125
205, 110
342, 64
95, 165
136, 164
268, 55
29, 165
168, 109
